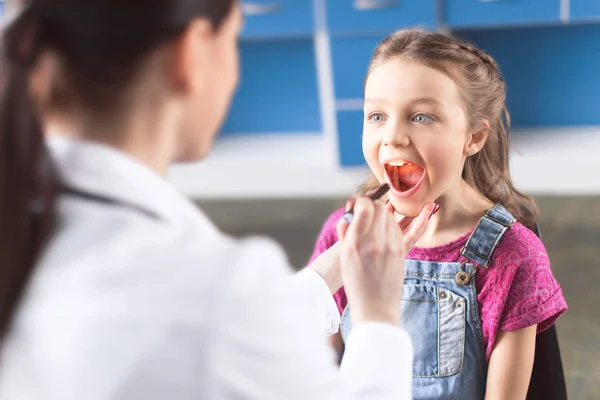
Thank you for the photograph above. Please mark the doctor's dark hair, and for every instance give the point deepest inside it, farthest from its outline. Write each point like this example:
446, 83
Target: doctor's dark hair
483, 91
101, 45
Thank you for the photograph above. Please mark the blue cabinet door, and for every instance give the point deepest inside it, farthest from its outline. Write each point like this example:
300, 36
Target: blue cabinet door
474, 13
277, 18
558, 84
278, 91
350, 58
350, 127
585, 9
359, 17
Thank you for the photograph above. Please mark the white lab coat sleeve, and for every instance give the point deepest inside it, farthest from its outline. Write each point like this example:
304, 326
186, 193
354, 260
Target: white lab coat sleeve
270, 345
313, 290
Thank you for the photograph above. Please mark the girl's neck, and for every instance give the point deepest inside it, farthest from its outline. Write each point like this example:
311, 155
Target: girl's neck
460, 210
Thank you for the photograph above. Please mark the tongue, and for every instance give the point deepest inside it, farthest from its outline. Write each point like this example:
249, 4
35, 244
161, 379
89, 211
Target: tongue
409, 175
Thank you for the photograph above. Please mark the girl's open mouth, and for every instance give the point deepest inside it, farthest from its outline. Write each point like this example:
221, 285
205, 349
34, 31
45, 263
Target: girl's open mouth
404, 177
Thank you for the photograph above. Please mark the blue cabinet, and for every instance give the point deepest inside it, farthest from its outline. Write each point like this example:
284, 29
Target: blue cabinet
350, 58
350, 127
278, 90
477, 13
558, 84
277, 18
360, 17
585, 9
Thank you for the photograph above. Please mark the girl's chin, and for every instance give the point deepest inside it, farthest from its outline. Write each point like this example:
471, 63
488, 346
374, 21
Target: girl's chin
407, 207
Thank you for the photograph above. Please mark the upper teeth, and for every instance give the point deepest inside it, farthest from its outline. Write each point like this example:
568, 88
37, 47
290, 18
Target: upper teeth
398, 163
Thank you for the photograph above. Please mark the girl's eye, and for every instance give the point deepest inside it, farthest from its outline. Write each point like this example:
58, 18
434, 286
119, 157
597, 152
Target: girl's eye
376, 118
423, 119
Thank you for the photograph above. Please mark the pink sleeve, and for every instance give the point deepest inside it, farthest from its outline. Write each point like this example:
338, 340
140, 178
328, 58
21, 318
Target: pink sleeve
328, 235
327, 238
534, 296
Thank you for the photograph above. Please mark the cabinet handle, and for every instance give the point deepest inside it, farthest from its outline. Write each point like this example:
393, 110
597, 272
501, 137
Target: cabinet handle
364, 5
250, 8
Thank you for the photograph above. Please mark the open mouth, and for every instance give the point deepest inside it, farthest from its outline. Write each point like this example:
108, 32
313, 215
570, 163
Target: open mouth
403, 175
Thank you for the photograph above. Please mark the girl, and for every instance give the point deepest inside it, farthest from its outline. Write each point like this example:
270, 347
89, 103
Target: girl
478, 284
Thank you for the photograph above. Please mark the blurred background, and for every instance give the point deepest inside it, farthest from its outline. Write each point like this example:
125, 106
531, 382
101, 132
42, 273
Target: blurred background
290, 150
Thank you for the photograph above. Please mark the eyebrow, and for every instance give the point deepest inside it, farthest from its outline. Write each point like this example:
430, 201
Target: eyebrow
427, 100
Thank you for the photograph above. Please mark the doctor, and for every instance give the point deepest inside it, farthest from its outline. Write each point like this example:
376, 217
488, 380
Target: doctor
115, 286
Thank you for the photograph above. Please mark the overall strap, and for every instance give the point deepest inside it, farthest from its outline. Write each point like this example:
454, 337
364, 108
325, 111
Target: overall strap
487, 235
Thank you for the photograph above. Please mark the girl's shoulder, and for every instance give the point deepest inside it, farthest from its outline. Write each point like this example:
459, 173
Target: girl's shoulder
521, 246
327, 238
328, 234
331, 222
519, 288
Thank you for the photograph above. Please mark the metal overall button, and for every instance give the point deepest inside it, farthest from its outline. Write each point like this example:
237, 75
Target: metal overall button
443, 295
463, 278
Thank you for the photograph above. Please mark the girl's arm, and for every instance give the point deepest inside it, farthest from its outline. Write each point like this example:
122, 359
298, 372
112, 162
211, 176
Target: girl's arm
511, 363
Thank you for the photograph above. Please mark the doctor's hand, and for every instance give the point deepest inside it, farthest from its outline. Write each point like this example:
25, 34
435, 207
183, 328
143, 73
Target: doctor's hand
412, 227
372, 253
327, 264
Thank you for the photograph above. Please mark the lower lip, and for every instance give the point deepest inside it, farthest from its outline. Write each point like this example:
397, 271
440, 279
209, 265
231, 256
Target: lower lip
409, 192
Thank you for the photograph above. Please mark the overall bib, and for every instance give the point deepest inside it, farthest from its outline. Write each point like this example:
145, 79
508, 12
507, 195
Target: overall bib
439, 311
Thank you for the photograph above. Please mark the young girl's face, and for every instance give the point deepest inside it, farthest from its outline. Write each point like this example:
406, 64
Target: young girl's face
415, 132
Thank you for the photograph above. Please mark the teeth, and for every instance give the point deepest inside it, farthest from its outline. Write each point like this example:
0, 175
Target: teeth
398, 163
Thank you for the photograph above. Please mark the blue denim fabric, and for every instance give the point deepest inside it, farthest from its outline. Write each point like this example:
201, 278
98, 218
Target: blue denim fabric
440, 313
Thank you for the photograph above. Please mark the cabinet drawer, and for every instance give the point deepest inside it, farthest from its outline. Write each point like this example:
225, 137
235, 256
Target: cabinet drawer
585, 9
278, 91
350, 127
350, 58
467, 13
277, 18
357, 17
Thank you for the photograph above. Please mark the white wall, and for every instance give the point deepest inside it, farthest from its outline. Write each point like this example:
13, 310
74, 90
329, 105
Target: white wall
561, 161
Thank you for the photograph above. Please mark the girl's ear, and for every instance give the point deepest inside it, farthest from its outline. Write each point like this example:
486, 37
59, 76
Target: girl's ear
476, 139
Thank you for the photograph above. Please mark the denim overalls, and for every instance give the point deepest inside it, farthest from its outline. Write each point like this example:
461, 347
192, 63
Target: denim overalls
440, 313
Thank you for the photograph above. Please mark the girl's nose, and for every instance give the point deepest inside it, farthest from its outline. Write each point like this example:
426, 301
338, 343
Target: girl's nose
396, 137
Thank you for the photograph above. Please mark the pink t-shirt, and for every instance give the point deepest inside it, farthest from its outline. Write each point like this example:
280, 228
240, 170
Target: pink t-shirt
515, 291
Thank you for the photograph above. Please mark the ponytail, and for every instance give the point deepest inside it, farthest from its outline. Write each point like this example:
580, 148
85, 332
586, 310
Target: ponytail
27, 183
